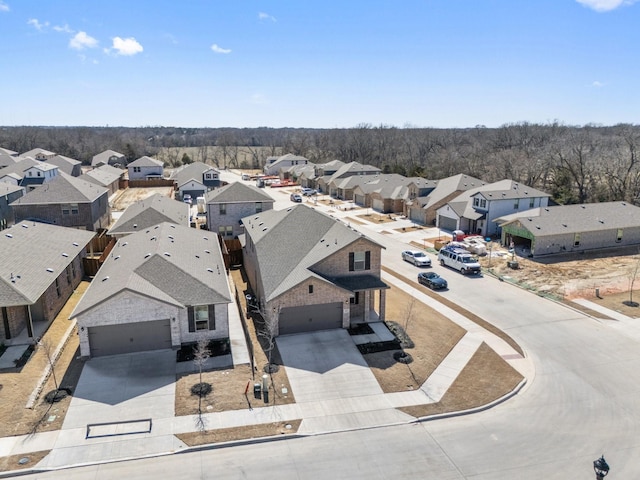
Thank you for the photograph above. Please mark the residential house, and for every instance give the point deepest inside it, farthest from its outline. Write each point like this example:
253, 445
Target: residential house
310, 179
40, 267
14, 173
67, 165
273, 167
39, 154
385, 193
105, 176
38, 174
66, 201
475, 210
310, 271
340, 185
109, 157
6, 151
145, 168
160, 288
149, 212
8, 193
572, 228
195, 179
228, 205
7, 160
425, 198
305, 176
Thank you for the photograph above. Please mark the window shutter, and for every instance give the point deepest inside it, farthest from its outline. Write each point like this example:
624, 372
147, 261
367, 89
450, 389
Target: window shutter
367, 260
351, 261
212, 317
192, 320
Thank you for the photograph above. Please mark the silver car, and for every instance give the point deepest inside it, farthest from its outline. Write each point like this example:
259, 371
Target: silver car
418, 258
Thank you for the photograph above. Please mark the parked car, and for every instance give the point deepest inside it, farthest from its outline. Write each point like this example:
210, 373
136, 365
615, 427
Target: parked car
295, 197
186, 198
459, 259
432, 280
307, 192
418, 258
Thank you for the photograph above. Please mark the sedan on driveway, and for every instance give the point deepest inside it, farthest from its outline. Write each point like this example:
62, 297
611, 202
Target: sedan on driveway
418, 258
432, 280
295, 197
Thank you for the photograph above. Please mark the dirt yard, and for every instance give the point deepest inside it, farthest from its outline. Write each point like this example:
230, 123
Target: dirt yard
126, 197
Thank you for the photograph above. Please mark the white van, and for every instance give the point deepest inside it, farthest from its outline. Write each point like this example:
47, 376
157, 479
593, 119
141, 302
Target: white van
459, 259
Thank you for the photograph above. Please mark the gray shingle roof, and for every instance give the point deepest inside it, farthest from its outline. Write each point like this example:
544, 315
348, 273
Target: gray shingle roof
27, 251
19, 167
62, 188
150, 212
507, 189
353, 168
170, 263
65, 164
7, 188
105, 156
104, 175
289, 242
6, 151
193, 171
448, 186
146, 162
36, 151
588, 217
237, 192
6, 160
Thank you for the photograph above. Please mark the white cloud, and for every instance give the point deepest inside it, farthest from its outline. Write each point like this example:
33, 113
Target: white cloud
4, 7
597, 84
259, 99
81, 40
35, 23
605, 5
266, 16
63, 29
126, 46
218, 49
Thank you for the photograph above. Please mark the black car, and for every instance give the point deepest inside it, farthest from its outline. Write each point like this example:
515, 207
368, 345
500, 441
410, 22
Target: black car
432, 280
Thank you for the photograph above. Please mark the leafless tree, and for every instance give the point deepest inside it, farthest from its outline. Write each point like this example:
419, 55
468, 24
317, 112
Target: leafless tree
633, 274
200, 355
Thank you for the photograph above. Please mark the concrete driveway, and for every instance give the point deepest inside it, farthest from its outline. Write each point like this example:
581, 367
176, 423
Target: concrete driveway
122, 388
326, 365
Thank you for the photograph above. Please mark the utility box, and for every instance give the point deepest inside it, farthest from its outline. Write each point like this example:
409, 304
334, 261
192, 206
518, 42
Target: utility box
257, 390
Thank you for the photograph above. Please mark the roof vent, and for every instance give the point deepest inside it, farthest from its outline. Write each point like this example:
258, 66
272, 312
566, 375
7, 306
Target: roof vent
564, 225
583, 206
147, 255
206, 238
105, 278
65, 254
125, 244
8, 235
50, 270
75, 244
264, 229
197, 256
210, 270
117, 257
135, 225
171, 237
166, 254
24, 225
601, 221
207, 251
538, 227
153, 238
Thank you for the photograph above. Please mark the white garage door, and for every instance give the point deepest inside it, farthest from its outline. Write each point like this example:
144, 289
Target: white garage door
446, 223
378, 205
129, 338
310, 318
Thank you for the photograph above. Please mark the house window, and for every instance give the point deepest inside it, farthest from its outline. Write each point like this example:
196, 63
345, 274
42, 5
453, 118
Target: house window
74, 209
516, 204
310, 288
39, 174
69, 276
136, 169
31, 174
355, 299
476, 202
225, 231
619, 235
57, 287
223, 209
576, 240
201, 317
359, 261
258, 207
66, 209
532, 202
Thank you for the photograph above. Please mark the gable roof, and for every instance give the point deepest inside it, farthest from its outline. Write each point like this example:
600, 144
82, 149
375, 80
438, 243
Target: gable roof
6, 151
24, 275
563, 219
237, 192
508, 189
289, 242
353, 168
9, 188
65, 164
289, 157
150, 212
104, 175
146, 162
6, 160
62, 188
448, 186
18, 168
36, 151
104, 157
170, 263
192, 171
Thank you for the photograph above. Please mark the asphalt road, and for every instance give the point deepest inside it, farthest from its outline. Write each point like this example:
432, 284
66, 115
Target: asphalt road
582, 403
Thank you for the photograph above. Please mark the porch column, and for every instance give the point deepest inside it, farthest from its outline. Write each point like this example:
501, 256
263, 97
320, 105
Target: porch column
383, 304
367, 300
346, 314
29, 321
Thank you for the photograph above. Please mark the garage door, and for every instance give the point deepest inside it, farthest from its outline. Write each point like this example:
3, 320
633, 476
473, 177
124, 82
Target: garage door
310, 318
417, 215
129, 337
378, 205
358, 199
446, 223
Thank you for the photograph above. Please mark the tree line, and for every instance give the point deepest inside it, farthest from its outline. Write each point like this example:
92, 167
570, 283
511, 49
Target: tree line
574, 164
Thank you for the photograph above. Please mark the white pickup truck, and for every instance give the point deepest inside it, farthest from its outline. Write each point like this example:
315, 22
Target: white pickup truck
459, 259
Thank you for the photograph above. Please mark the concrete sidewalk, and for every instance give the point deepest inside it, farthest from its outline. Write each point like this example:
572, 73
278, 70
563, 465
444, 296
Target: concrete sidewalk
353, 411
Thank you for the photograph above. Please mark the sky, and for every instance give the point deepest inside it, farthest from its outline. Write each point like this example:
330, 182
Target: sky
329, 64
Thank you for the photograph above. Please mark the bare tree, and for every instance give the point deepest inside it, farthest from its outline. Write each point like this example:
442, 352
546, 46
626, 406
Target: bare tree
633, 274
200, 355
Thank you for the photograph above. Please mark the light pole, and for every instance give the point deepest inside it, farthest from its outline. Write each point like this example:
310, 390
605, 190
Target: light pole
601, 467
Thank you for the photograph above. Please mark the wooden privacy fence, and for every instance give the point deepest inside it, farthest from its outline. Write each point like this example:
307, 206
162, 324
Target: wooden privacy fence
153, 182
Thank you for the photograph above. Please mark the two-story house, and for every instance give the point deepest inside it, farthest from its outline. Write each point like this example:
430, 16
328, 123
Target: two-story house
39, 154
109, 157
66, 201
273, 166
195, 179
311, 272
228, 205
70, 166
38, 174
475, 210
149, 212
341, 185
145, 168
105, 176
162, 287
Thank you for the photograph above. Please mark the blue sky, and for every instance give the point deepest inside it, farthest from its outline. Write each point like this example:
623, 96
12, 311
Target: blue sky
303, 63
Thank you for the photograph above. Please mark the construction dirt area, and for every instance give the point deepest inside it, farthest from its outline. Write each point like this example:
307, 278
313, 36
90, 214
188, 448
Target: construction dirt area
126, 197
